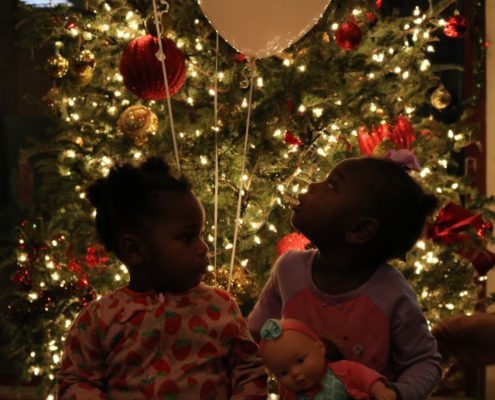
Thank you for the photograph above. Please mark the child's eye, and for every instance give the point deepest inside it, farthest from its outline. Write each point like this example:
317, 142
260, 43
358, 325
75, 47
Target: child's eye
283, 373
300, 360
187, 238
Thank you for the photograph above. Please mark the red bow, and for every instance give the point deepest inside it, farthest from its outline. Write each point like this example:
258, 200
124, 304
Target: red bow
452, 221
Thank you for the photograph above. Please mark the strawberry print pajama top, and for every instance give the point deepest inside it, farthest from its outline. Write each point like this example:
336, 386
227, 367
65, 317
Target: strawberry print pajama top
130, 345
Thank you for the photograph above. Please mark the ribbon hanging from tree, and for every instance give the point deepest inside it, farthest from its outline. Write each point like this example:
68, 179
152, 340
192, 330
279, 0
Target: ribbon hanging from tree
161, 57
252, 66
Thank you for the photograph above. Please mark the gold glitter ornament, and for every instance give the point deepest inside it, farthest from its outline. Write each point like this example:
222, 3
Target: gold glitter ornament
57, 66
440, 98
137, 122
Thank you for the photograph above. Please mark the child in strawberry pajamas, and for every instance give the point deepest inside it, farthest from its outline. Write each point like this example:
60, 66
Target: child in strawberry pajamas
165, 335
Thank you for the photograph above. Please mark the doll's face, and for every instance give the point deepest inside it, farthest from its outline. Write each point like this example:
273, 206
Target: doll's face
297, 360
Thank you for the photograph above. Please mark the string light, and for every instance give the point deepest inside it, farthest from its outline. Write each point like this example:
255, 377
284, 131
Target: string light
317, 112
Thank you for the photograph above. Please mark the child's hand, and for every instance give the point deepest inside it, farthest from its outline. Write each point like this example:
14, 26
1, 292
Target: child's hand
468, 337
380, 392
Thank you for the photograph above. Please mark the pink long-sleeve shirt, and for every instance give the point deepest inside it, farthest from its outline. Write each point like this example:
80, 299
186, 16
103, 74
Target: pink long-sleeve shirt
379, 324
130, 345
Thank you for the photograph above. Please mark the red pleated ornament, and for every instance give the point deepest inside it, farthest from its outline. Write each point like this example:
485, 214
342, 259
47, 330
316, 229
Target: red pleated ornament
142, 71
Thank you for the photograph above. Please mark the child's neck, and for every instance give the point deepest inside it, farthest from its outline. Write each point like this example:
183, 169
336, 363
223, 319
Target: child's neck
336, 272
139, 282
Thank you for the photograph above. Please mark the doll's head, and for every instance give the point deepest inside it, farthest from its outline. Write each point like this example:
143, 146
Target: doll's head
293, 353
369, 206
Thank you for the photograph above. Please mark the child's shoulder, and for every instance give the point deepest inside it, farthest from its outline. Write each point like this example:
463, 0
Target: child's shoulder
295, 259
390, 279
213, 294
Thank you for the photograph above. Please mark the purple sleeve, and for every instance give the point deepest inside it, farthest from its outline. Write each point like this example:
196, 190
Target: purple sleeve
413, 351
269, 305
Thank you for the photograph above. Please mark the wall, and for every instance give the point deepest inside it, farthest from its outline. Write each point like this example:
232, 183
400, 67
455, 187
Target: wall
490, 147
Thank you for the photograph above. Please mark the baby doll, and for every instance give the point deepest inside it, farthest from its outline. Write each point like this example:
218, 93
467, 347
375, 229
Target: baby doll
296, 356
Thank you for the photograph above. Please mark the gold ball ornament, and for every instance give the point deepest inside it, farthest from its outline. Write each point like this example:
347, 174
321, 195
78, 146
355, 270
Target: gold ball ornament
84, 77
440, 98
82, 67
137, 122
83, 60
57, 66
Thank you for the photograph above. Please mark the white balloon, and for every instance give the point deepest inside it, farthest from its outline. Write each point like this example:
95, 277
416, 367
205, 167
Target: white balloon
261, 28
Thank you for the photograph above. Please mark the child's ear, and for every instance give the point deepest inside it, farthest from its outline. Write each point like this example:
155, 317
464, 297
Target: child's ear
362, 230
132, 251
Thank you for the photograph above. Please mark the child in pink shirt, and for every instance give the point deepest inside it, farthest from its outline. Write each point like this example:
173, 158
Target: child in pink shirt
165, 335
367, 211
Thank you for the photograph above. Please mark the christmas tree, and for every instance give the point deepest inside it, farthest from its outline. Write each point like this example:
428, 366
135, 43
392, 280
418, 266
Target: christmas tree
360, 82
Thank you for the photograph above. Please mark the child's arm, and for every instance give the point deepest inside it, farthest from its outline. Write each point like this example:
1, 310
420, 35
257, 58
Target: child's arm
361, 382
81, 376
269, 305
247, 372
413, 351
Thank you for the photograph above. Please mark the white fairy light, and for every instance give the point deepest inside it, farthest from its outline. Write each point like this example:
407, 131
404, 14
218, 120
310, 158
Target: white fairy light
317, 112
425, 64
425, 172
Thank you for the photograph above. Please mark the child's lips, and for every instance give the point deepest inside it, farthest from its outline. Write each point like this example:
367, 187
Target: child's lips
294, 203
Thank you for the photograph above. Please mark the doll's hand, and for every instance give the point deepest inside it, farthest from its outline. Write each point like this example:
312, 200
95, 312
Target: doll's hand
380, 392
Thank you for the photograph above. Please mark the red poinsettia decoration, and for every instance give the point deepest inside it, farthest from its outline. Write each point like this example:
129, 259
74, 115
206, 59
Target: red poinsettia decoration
451, 228
402, 135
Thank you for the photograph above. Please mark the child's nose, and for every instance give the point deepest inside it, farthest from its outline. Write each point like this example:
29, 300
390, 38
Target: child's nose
296, 373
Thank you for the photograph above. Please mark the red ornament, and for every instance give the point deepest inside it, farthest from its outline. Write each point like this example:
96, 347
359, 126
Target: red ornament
348, 35
379, 3
292, 139
292, 241
142, 71
456, 27
450, 228
371, 17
